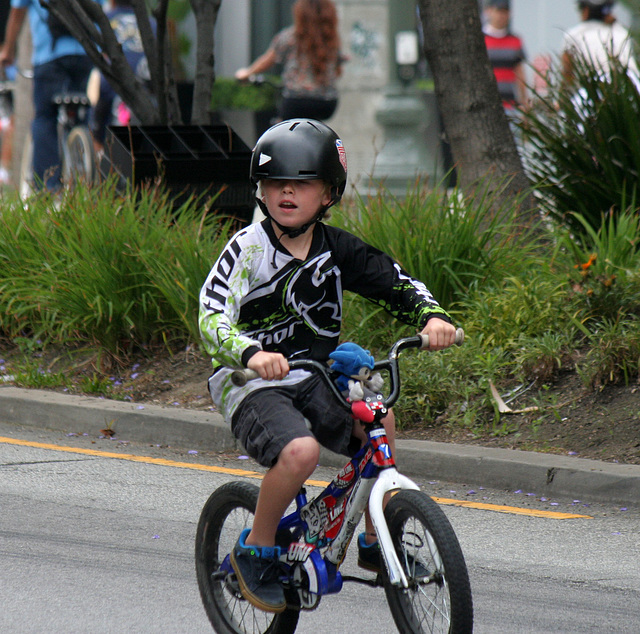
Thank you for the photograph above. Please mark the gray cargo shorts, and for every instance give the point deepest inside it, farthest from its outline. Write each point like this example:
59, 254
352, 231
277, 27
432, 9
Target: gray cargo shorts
267, 420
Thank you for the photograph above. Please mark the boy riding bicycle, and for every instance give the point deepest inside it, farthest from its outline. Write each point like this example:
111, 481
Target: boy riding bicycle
275, 294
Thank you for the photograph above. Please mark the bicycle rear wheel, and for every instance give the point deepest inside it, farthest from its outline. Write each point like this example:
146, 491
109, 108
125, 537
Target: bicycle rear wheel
439, 601
226, 513
80, 161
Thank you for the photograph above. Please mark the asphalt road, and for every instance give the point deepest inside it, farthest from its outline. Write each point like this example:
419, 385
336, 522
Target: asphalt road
92, 541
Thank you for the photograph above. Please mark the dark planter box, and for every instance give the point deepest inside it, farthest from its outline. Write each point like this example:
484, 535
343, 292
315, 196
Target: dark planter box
190, 160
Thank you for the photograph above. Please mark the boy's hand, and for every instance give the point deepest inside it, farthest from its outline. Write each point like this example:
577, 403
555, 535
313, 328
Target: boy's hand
441, 333
271, 366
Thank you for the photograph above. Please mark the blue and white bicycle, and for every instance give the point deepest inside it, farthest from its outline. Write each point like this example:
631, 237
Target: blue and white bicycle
425, 577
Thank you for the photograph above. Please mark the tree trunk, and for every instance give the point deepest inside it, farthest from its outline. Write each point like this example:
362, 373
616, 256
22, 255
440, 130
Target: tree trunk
467, 93
206, 14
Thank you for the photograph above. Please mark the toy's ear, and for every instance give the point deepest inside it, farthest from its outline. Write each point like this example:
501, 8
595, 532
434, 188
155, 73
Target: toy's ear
341, 356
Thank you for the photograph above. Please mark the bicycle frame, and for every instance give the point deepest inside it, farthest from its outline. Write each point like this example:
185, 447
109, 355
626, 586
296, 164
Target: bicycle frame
337, 510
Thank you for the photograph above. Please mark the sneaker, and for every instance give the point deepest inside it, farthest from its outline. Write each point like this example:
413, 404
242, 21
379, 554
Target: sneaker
257, 570
370, 558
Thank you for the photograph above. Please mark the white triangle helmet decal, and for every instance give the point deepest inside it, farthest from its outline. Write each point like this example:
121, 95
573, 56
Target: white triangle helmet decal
264, 158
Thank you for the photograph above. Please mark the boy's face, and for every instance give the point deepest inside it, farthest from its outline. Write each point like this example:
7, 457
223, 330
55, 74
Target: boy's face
293, 203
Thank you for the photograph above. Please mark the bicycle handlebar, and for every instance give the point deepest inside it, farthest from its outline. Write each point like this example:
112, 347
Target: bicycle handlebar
240, 377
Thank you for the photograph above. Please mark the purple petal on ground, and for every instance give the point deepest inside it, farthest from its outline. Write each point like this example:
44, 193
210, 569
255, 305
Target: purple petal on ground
572, 453
624, 508
140, 407
71, 434
134, 375
243, 457
472, 492
518, 491
156, 537
543, 499
135, 366
192, 452
554, 504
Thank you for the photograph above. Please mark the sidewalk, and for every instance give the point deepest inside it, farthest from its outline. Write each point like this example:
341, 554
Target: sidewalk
547, 474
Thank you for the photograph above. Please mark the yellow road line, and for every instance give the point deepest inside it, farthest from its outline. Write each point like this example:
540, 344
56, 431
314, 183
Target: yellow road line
144, 459
255, 474
513, 510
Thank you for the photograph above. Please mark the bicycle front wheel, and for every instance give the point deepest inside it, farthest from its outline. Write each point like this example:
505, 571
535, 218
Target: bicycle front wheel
438, 598
80, 161
227, 512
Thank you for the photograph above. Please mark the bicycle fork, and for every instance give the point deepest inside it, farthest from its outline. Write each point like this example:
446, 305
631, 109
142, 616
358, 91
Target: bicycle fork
388, 480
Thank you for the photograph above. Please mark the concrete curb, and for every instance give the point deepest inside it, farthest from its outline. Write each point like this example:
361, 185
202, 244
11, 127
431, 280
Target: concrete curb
544, 474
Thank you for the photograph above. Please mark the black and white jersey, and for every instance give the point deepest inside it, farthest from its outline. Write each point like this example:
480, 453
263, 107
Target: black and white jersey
258, 295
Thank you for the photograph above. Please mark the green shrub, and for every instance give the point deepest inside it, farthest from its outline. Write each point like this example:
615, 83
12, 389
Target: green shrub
447, 241
584, 148
115, 271
231, 94
605, 265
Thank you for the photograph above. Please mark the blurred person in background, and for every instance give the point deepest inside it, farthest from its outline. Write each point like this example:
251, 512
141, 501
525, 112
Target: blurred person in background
59, 64
598, 38
108, 107
309, 51
507, 57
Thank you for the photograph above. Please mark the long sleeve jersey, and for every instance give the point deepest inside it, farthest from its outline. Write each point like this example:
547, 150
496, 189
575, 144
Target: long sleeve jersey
259, 297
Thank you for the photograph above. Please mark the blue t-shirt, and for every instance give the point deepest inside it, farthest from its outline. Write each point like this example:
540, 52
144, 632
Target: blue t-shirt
43, 51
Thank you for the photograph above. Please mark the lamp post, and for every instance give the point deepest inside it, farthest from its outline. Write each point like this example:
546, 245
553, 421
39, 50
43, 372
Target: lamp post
402, 113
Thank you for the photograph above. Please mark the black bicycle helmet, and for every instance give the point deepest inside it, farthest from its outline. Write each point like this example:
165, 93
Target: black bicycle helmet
301, 149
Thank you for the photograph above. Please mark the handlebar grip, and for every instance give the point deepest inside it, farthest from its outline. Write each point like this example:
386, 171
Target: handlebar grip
459, 339
240, 377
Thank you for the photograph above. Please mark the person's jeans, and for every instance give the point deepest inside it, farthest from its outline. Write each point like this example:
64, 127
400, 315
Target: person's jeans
68, 73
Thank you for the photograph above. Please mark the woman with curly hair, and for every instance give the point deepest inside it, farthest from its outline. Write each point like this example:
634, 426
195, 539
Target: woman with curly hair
310, 53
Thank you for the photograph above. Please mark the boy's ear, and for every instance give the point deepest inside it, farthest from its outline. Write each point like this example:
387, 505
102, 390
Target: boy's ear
327, 197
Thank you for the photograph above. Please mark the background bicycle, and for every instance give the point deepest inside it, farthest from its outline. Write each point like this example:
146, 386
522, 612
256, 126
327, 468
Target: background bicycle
75, 143
424, 576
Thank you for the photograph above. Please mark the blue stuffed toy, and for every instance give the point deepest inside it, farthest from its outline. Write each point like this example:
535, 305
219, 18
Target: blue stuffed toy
355, 365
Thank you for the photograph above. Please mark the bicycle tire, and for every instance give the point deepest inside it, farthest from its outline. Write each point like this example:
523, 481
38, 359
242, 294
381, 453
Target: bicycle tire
441, 601
25, 187
226, 513
80, 161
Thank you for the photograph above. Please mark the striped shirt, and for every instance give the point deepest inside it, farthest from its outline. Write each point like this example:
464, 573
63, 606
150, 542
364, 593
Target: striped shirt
506, 53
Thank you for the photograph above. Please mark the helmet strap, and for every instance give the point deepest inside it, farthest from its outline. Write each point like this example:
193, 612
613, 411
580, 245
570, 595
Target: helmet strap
293, 232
